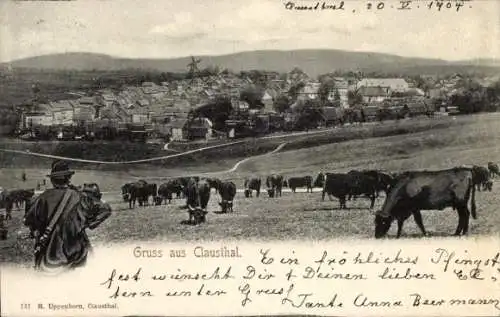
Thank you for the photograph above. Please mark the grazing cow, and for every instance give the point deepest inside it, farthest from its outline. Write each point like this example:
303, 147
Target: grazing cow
363, 183
351, 184
335, 184
197, 197
384, 181
251, 184
275, 182
140, 192
428, 190
295, 182
214, 183
166, 191
481, 178
227, 191
493, 168
151, 190
185, 180
126, 190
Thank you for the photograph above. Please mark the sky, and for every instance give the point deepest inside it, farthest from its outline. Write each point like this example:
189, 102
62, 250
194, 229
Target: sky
175, 28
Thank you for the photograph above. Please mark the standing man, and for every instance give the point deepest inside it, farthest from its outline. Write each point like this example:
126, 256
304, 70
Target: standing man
59, 217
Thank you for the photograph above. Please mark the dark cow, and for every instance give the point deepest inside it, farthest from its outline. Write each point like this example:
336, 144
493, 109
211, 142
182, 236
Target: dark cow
384, 181
335, 184
126, 190
363, 183
295, 182
493, 168
251, 184
428, 190
166, 191
351, 184
184, 182
275, 183
151, 191
197, 197
227, 191
481, 178
140, 192
214, 183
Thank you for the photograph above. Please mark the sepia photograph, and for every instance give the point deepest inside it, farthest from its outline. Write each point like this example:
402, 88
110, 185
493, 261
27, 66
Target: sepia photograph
257, 121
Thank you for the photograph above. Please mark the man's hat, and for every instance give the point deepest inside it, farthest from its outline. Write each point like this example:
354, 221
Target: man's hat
60, 169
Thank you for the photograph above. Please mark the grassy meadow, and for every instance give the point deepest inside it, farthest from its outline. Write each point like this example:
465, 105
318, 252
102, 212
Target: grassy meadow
443, 143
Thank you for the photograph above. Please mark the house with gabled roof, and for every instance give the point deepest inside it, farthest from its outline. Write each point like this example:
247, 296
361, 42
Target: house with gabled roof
83, 112
62, 112
394, 84
179, 129
40, 116
374, 94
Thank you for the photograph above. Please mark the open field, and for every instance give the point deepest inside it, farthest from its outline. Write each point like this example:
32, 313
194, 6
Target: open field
471, 140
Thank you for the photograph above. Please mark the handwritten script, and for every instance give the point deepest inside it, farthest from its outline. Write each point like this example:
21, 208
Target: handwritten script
322, 279
377, 6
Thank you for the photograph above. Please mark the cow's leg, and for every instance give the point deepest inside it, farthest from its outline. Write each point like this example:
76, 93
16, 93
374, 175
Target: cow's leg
400, 228
372, 198
465, 226
258, 193
460, 225
323, 195
418, 220
342, 202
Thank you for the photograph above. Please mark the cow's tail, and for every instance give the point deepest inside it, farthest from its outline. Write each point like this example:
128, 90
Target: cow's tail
473, 201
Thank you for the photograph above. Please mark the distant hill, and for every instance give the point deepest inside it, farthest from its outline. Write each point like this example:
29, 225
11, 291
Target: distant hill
313, 62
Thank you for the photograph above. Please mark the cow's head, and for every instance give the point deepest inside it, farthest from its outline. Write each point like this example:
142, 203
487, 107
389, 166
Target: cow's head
270, 192
382, 225
285, 183
126, 197
198, 214
320, 180
225, 205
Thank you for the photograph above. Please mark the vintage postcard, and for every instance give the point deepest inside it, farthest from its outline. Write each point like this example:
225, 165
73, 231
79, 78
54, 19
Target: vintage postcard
242, 158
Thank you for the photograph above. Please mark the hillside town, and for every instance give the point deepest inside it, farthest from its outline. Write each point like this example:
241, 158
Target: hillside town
228, 105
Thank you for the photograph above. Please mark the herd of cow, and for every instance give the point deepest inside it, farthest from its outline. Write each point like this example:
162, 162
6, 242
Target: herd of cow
407, 193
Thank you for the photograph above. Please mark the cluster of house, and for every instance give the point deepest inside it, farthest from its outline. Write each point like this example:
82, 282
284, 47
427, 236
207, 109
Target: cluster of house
167, 105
